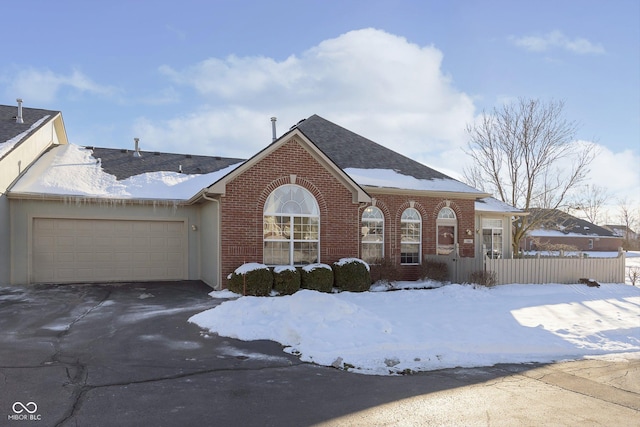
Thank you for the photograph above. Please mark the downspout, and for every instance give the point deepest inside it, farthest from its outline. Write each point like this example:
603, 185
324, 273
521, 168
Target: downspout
218, 225
361, 205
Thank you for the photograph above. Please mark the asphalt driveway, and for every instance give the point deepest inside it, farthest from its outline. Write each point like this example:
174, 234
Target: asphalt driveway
125, 355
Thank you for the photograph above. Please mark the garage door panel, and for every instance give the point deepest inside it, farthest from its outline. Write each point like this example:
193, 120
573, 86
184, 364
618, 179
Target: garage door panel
64, 257
78, 250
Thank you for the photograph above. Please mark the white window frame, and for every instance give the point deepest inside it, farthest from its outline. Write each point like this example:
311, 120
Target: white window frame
496, 227
281, 212
405, 219
372, 218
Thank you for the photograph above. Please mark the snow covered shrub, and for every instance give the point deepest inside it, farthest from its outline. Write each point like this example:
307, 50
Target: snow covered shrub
251, 279
317, 277
434, 270
352, 274
286, 280
384, 270
484, 278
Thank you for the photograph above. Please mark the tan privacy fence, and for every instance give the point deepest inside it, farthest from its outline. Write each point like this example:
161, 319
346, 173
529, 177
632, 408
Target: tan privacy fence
536, 270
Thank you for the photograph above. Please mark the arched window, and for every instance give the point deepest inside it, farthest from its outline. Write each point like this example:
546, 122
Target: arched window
291, 227
372, 234
411, 232
447, 230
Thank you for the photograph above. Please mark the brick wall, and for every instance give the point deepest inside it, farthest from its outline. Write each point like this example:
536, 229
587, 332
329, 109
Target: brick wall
392, 206
242, 212
602, 244
242, 207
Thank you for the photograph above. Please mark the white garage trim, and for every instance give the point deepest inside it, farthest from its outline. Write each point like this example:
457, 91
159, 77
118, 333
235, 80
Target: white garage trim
75, 250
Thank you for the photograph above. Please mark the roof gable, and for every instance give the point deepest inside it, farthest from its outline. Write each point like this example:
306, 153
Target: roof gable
359, 195
12, 133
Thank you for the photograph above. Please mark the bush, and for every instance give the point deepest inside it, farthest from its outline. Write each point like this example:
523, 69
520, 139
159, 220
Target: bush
434, 270
251, 279
384, 270
286, 280
484, 278
317, 277
351, 274
633, 273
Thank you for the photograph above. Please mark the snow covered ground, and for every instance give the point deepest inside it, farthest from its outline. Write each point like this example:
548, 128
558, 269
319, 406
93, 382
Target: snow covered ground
386, 333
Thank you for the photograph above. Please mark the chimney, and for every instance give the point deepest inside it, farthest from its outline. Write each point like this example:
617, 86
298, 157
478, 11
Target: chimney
273, 128
137, 153
19, 118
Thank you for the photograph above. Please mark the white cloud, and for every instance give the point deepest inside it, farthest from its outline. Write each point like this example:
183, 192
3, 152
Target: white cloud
556, 39
42, 86
369, 81
618, 172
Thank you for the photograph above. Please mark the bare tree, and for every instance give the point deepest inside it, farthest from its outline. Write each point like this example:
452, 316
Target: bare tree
590, 201
525, 155
630, 222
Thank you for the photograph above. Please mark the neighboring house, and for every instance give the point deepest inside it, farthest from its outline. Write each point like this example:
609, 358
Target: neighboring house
622, 231
564, 231
316, 194
24, 135
630, 238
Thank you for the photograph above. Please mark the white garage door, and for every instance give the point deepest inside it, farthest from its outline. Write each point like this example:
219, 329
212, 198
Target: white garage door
92, 250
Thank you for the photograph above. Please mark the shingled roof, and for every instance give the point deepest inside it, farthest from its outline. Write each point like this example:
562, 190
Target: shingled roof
123, 164
554, 219
350, 150
10, 129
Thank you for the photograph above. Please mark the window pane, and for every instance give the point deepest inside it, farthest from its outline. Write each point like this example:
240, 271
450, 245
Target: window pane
305, 228
372, 231
447, 213
491, 223
291, 199
276, 253
410, 232
276, 227
371, 252
372, 213
305, 253
410, 215
409, 253
492, 240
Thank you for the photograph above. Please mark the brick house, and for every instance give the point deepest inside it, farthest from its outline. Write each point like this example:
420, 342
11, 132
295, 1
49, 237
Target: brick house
318, 193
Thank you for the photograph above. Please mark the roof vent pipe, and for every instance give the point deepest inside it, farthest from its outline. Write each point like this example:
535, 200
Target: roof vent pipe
19, 118
137, 153
273, 128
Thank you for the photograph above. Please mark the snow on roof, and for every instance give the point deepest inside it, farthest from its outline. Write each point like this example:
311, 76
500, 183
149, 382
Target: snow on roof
391, 179
490, 204
7, 146
71, 170
544, 232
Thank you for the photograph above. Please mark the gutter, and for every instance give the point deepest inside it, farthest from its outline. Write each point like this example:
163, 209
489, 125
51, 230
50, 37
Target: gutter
92, 199
425, 193
204, 195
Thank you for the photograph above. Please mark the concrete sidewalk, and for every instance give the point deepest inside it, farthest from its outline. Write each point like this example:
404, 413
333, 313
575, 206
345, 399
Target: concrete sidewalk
124, 355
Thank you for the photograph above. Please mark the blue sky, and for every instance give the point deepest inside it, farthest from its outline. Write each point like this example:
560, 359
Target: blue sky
204, 77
